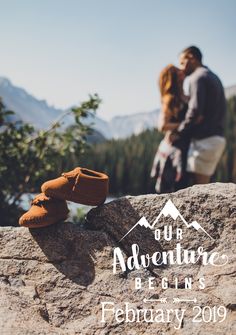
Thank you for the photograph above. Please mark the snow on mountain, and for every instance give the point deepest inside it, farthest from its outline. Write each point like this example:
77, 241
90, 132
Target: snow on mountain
125, 126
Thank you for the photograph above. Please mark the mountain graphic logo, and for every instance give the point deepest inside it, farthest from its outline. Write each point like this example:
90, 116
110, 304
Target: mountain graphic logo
168, 209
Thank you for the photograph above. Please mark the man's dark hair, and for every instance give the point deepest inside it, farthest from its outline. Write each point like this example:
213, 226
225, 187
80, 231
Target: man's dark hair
195, 51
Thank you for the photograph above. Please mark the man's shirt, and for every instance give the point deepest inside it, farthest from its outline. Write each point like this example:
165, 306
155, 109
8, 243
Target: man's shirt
208, 100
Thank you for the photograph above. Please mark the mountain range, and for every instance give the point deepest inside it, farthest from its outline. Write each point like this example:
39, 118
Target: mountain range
41, 115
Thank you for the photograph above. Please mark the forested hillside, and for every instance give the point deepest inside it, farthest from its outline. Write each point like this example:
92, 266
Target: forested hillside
128, 162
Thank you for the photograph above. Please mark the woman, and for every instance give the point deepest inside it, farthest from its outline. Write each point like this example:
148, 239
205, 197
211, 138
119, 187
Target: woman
170, 159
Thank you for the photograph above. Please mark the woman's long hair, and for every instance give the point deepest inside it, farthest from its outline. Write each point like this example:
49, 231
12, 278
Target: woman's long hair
170, 86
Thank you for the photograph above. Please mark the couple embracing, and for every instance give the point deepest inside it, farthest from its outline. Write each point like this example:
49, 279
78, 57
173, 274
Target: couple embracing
193, 125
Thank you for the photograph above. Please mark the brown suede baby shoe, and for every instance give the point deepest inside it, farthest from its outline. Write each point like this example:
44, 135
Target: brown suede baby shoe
44, 212
80, 185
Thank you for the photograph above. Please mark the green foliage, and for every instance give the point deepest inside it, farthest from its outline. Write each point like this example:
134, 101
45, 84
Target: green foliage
29, 157
79, 217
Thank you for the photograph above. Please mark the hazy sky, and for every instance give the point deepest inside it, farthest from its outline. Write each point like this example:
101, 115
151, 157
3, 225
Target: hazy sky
62, 50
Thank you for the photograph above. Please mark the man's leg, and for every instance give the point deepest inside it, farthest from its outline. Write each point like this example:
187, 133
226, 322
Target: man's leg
200, 178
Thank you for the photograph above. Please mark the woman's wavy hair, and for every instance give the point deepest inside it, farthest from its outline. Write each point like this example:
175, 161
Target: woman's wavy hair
168, 81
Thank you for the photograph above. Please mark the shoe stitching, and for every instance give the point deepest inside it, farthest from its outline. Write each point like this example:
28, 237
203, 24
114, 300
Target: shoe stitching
76, 176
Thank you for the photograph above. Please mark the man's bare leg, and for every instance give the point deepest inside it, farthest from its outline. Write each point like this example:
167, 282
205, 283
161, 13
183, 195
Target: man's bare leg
201, 179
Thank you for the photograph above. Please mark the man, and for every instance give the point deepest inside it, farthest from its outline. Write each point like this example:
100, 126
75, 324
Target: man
207, 104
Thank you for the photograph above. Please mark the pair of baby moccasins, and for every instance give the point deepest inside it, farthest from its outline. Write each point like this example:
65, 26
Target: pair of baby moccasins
80, 185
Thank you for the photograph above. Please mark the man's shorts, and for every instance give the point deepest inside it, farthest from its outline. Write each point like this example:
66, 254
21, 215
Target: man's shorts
204, 154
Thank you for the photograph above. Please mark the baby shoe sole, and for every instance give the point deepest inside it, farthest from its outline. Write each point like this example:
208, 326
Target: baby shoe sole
40, 223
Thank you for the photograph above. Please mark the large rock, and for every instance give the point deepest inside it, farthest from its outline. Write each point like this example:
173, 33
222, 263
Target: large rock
54, 280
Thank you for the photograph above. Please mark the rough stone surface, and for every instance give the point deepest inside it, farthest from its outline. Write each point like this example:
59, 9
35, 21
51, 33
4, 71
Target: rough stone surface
53, 280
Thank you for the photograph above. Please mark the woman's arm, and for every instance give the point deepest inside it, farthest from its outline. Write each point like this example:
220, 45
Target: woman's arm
168, 126
164, 123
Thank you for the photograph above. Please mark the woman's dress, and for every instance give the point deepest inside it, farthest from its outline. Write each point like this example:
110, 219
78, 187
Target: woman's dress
169, 165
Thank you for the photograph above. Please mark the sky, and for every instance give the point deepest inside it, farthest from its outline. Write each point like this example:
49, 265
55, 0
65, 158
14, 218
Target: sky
63, 50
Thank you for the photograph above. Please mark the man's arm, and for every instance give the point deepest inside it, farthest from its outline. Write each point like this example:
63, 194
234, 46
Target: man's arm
196, 106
